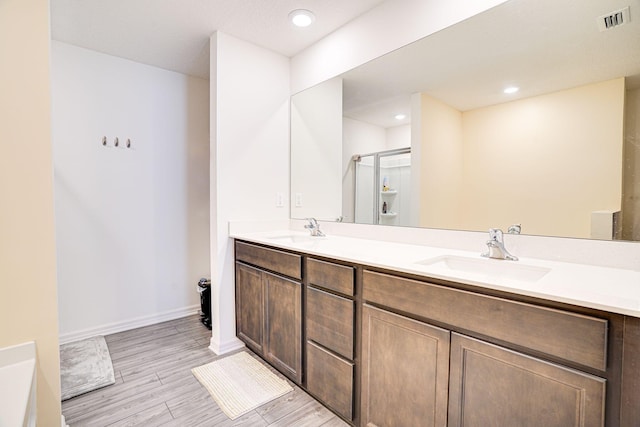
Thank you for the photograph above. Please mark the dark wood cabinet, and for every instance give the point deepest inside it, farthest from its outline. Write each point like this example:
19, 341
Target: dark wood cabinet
493, 386
330, 332
283, 325
405, 371
384, 349
269, 307
488, 384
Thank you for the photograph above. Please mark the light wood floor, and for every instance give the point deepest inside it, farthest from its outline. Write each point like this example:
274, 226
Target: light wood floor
154, 386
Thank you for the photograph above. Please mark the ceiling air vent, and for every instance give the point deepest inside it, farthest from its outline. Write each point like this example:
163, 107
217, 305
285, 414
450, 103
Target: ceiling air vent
614, 19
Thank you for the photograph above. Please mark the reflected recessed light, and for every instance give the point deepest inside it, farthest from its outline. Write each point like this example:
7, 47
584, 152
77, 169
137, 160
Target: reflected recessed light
511, 89
302, 17
400, 116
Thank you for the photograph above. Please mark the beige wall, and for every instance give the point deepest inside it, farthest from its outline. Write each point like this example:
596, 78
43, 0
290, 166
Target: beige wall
631, 186
546, 162
441, 165
28, 299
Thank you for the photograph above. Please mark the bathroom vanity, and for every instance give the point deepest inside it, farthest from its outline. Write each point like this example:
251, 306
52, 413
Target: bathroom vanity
439, 337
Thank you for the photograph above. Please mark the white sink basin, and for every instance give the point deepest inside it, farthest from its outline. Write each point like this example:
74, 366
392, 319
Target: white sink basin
295, 238
490, 268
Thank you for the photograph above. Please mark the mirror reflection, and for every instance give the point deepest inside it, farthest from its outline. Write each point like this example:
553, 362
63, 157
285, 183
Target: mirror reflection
382, 187
557, 153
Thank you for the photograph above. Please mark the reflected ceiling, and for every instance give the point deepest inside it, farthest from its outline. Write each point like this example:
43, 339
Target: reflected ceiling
540, 46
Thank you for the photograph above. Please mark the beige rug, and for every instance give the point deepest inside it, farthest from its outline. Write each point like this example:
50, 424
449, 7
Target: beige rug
239, 383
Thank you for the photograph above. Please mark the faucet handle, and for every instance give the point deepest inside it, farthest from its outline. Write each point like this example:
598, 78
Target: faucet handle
514, 229
495, 234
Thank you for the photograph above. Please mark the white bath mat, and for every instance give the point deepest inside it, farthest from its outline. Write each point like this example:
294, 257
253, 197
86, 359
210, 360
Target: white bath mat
85, 366
239, 383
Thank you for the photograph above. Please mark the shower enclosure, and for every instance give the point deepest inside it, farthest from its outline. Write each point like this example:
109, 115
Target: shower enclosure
382, 187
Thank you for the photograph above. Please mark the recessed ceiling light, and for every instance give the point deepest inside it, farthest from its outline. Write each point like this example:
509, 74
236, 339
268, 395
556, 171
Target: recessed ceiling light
302, 17
511, 89
400, 116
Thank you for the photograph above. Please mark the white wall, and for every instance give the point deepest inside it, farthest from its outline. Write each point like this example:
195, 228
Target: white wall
398, 137
28, 308
132, 224
249, 158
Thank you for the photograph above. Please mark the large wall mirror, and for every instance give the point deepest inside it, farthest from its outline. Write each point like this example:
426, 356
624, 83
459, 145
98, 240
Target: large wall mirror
426, 136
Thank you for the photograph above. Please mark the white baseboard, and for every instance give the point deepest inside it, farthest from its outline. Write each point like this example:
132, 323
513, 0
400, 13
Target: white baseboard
226, 347
125, 325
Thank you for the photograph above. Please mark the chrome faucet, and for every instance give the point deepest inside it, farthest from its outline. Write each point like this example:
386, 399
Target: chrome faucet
314, 227
496, 246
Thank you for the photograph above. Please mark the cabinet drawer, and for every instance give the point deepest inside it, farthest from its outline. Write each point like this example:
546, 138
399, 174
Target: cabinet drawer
335, 277
331, 379
330, 321
270, 259
569, 336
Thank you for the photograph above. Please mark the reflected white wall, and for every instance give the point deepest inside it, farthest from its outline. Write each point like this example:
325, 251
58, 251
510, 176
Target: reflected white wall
316, 128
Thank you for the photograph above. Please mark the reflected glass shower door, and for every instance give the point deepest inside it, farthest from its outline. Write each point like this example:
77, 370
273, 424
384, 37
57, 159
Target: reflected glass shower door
382, 187
394, 179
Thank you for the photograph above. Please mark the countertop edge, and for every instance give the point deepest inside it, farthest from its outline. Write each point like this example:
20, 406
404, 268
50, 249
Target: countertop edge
559, 287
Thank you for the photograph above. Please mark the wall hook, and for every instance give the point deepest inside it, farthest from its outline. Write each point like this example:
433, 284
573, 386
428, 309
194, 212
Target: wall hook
104, 141
116, 142
128, 143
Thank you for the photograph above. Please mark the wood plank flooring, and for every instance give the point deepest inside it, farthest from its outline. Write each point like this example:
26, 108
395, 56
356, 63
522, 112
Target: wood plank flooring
155, 387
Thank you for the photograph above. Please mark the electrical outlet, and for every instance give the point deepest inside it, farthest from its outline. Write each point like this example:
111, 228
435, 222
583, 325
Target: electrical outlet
298, 200
279, 200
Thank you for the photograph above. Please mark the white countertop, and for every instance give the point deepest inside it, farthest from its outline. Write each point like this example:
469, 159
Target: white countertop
17, 385
610, 289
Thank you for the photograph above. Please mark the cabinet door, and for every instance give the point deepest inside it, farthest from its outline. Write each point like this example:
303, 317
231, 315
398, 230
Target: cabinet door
283, 305
405, 371
250, 306
493, 386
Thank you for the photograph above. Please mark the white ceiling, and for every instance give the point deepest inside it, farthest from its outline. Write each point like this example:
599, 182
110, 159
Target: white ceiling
174, 34
540, 45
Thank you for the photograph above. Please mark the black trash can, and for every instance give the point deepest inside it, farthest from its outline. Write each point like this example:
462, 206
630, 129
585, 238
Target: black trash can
204, 289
